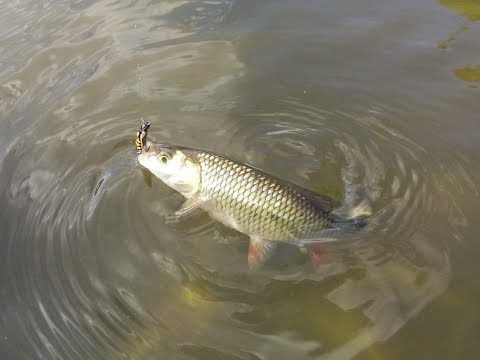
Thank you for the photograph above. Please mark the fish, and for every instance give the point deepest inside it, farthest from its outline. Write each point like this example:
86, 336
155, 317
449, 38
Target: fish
266, 208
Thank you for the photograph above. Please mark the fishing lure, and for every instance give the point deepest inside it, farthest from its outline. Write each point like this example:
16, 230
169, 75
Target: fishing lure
141, 139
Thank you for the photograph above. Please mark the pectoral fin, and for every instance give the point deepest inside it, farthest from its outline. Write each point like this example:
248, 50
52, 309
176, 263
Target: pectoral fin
189, 206
259, 251
147, 177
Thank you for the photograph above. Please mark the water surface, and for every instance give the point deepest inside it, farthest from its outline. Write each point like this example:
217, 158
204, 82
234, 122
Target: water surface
374, 103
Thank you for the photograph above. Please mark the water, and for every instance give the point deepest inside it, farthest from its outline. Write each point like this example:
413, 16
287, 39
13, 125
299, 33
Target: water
374, 103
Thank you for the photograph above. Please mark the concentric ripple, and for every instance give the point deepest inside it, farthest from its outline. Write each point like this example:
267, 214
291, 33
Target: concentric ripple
401, 264
99, 272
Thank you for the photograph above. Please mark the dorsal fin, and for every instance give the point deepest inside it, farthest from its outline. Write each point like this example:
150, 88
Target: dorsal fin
323, 202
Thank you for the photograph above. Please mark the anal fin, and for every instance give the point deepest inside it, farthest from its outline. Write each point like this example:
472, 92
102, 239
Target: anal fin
316, 253
259, 251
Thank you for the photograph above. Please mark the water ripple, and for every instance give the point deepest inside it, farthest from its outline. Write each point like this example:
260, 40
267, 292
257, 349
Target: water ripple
91, 267
391, 177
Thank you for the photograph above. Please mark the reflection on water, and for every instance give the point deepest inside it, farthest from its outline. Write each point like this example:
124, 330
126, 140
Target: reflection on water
467, 8
91, 268
446, 43
468, 73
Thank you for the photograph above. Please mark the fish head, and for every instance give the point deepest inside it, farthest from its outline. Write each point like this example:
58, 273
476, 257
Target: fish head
176, 167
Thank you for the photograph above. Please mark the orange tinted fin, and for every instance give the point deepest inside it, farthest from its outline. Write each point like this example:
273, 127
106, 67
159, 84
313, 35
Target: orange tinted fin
259, 251
316, 253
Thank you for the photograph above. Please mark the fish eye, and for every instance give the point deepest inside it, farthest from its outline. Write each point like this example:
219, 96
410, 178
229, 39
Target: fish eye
164, 157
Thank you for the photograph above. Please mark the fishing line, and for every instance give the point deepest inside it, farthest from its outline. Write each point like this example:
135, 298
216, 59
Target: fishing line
139, 94
140, 141
139, 89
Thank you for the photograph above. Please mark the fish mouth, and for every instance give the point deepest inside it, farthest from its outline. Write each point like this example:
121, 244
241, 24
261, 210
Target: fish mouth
150, 148
144, 147
147, 155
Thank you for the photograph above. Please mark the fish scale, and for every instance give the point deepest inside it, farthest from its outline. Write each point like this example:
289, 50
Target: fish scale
260, 206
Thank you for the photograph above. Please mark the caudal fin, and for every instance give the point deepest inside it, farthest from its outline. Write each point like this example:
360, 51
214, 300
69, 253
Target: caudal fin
342, 229
352, 224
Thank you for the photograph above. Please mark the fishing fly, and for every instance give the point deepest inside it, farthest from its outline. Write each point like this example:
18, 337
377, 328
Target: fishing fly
141, 139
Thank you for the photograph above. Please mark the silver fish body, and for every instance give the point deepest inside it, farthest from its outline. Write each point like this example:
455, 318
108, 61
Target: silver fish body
259, 205
242, 197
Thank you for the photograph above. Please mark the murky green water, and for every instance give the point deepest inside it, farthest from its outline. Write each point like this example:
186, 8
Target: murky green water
375, 103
